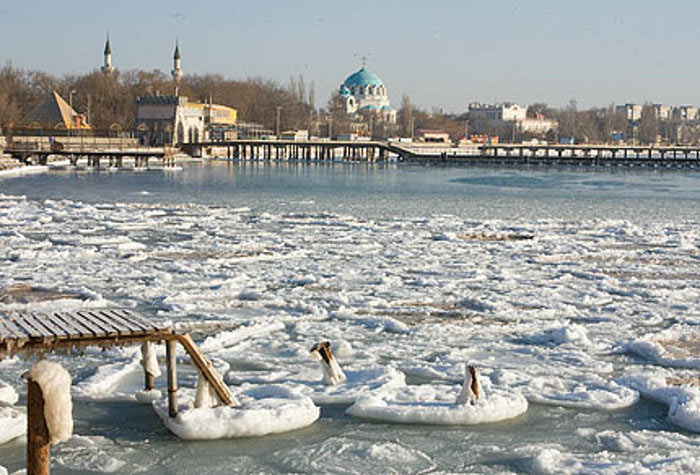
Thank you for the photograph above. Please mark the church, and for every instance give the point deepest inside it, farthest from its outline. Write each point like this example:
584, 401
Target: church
364, 91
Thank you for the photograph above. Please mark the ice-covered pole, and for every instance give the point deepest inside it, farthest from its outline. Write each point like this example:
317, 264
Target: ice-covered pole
49, 413
149, 361
471, 387
333, 373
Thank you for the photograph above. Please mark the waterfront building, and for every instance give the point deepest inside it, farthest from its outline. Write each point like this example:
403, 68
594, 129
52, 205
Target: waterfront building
164, 120
295, 135
107, 67
433, 136
364, 91
537, 125
509, 116
55, 113
505, 112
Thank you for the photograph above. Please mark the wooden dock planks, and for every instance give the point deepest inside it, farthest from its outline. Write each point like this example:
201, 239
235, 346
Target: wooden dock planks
48, 331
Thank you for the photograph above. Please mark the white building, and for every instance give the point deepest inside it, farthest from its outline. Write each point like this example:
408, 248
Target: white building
632, 112
169, 120
684, 113
537, 125
662, 112
364, 91
510, 114
506, 112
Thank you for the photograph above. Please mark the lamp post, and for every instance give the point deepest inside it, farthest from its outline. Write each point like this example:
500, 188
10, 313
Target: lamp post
70, 103
277, 123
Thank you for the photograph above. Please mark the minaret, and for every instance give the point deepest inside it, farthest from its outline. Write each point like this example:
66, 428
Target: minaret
177, 70
108, 68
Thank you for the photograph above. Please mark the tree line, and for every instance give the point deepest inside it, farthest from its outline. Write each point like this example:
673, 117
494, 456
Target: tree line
109, 99
109, 102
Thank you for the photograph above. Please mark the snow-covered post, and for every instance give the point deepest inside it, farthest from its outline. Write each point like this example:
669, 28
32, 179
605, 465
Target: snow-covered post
471, 387
49, 413
149, 361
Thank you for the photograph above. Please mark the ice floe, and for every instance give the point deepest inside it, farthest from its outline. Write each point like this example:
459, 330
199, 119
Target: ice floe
442, 404
681, 395
435, 404
264, 410
677, 346
13, 422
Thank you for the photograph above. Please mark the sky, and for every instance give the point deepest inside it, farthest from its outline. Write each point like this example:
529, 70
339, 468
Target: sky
443, 54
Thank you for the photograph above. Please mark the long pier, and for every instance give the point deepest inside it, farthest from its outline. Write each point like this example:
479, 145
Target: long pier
378, 151
319, 150
94, 157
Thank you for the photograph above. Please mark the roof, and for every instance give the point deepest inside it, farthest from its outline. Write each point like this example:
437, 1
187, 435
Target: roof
363, 77
344, 91
54, 112
177, 52
369, 107
108, 48
158, 100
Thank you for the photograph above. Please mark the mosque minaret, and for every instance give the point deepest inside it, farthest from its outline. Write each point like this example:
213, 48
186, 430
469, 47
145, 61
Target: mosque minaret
107, 68
177, 70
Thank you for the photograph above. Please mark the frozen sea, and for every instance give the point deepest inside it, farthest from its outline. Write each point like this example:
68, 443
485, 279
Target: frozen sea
578, 288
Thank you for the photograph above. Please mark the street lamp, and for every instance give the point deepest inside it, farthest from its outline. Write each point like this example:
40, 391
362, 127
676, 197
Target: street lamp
277, 127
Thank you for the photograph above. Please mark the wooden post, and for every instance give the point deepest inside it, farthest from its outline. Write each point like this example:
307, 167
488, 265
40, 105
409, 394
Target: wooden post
172, 376
38, 441
146, 354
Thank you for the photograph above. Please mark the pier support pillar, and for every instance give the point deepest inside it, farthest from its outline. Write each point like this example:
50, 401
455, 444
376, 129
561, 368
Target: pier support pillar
172, 376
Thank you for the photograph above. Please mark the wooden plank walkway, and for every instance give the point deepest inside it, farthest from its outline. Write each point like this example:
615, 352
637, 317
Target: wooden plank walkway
29, 332
43, 332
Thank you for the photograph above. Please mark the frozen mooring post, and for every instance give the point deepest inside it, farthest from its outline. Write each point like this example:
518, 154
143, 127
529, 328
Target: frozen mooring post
39, 333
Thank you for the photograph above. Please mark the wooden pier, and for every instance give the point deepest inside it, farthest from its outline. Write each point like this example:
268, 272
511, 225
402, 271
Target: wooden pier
379, 151
39, 333
306, 150
141, 156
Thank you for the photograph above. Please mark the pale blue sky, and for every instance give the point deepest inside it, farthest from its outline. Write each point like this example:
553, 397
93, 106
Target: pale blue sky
441, 53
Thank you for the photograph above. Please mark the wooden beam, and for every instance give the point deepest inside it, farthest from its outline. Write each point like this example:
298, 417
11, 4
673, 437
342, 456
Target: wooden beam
207, 370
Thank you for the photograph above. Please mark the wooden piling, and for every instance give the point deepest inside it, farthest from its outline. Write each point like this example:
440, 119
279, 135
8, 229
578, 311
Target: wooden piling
172, 376
38, 440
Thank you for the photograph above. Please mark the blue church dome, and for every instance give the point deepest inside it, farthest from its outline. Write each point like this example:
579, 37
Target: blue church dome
363, 78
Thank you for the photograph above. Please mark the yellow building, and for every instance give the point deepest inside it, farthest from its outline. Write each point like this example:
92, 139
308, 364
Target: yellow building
221, 115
